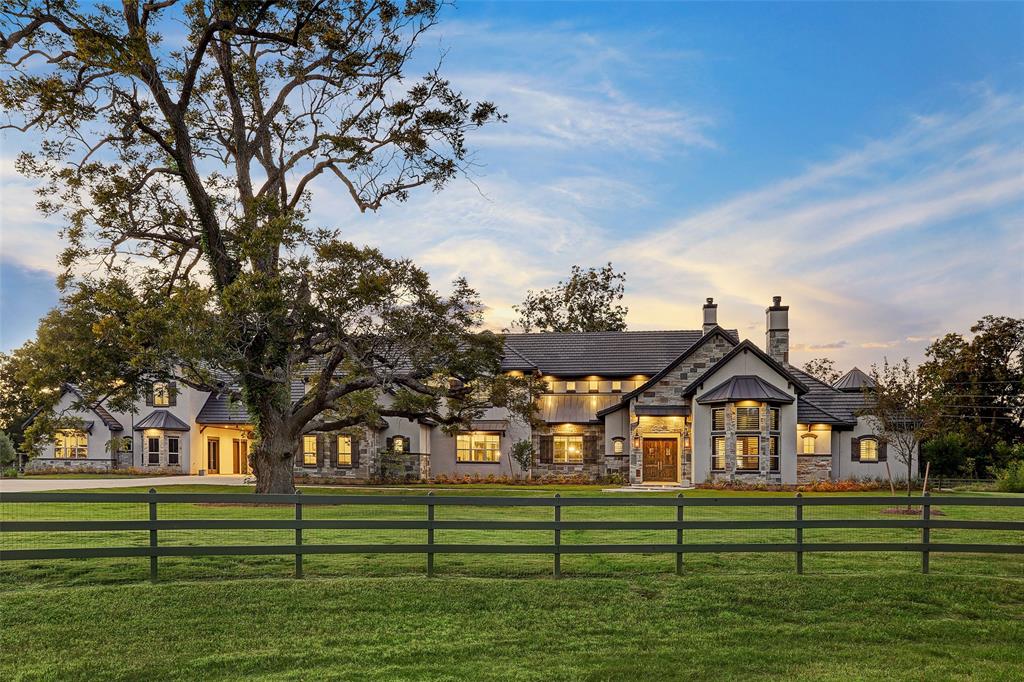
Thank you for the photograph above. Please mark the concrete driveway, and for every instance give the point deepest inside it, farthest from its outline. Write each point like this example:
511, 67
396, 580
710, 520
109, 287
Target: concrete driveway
32, 484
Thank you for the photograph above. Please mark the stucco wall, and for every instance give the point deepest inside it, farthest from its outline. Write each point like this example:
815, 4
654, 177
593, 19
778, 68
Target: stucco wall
844, 467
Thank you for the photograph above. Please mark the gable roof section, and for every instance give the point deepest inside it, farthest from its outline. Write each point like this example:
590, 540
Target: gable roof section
161, 419
745, 387
600, 353
854, 381
220, 409
108, 419
747, 346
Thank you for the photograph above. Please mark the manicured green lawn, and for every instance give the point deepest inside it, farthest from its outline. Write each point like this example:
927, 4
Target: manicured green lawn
731, 616
868, 626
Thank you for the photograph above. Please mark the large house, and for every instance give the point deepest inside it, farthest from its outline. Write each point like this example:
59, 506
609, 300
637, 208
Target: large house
651, 407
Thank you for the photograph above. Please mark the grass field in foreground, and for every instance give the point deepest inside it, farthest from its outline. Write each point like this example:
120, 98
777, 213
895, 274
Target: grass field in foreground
891, 626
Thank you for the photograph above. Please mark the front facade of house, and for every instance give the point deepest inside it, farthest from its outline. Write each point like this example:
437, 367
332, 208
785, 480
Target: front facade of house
651, 408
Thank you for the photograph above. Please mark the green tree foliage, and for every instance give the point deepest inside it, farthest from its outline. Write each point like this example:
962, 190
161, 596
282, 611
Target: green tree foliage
587, 302
181, 141
823, 369
16, 406
979, 381
8, 455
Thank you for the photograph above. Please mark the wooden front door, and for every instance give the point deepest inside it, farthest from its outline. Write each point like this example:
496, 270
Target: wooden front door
213, 456
661, 460
240, 450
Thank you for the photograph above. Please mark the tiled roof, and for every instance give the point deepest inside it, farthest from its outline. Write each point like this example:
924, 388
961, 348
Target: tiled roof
161, 419
843, 407
854, 381
221, 409
599, 353
573, 409
745, 387
108, 419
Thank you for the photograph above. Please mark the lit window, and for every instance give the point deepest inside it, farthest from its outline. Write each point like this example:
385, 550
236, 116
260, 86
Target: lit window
808, 443
718, 419
398, 444
344, 451
309, 450
747, 453
593, 386
161, 395
153, 450
173, 448
568, 449
478, 447
748, 419
570, 387
869, 450
618, 446
71, 444
718, 453
616, 387
774, 412
773, 453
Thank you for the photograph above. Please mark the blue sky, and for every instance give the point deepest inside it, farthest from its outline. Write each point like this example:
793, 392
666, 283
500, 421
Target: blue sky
864, 161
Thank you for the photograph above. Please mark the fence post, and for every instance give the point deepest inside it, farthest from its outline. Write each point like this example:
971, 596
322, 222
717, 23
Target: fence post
298, 534
558, 536
430, 533
679, 534
926, 533
152, 534
799, 534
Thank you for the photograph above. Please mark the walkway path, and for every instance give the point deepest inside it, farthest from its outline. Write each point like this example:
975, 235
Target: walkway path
32, 484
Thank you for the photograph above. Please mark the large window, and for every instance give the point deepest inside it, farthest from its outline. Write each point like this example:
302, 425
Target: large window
161, 395
868, 450
344, 451
774, 418
773, 453
747, 453
568, 449
478, 447
808, 440
153, 451
748, 419
173, 450
71, 444
718, 453
718, 419
309, 451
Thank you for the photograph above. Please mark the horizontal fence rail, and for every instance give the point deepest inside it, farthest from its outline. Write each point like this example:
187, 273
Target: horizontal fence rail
923, 521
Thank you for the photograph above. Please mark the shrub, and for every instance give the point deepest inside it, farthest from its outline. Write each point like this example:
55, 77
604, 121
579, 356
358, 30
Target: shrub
1011, 479
8, 456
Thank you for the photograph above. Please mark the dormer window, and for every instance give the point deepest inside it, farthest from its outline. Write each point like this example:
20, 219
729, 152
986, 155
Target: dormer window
616, 387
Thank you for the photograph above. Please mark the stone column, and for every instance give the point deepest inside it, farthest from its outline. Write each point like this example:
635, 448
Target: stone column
730, 440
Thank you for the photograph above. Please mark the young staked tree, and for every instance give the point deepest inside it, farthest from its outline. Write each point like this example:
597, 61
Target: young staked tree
180, 141
587, 302
902, 410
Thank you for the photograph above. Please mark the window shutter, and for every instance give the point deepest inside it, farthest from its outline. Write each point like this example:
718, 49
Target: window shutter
172, 394
355, 452
406, 444
590, 450
547, 449
332, 450
149, 396
390, 444
882, 450
319, 451
855, 449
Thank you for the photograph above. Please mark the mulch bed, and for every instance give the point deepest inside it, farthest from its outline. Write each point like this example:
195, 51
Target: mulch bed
911, 511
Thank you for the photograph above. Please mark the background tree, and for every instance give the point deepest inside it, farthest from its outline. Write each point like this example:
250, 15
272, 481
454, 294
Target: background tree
16, 407
980, 383
823, 369
587, 302
180, 141
902, 411
8, 455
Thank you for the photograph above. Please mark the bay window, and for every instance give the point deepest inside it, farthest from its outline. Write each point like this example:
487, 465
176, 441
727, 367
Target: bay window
153, 451
747, 458
173, 450
718, 453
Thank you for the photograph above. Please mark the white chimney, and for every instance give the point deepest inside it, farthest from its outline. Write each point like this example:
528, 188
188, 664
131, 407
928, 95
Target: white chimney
710, 315
776, 335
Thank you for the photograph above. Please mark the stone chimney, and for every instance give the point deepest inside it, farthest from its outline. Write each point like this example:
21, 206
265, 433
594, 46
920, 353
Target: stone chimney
776, 335
710, 315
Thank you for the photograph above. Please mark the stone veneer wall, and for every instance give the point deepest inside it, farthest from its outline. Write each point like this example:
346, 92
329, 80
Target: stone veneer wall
811, 468
654, 427
365, 444
669, 391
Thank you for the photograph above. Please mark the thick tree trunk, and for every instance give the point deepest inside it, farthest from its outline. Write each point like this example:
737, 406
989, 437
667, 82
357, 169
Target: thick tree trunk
272, 463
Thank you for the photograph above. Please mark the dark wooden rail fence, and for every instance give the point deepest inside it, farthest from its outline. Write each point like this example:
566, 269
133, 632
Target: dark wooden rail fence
925, 522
